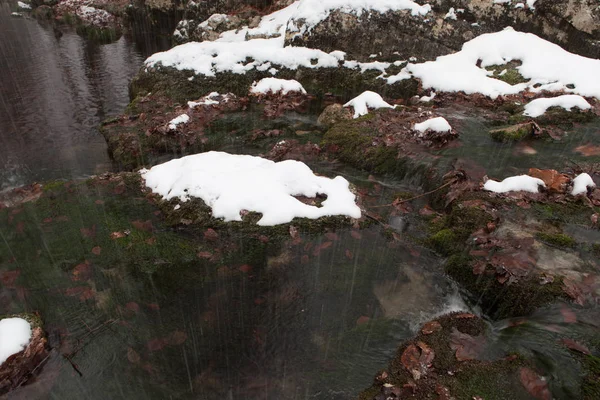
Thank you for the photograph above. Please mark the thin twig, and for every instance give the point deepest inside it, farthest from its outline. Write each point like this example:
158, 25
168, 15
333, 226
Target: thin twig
417, 197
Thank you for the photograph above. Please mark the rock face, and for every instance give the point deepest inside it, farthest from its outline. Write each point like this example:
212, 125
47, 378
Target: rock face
18, 368
400, 35
206, 20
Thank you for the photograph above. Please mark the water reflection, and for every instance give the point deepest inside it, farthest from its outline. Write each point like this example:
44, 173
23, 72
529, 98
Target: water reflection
54, 92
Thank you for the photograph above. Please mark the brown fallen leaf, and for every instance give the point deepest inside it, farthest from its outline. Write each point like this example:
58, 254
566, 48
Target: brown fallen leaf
588, 150
145, 226
117, 235
133, 356
467, 347
211, 235
417, 359
176, 338
535, 385
431, 327
573, 345
97, 250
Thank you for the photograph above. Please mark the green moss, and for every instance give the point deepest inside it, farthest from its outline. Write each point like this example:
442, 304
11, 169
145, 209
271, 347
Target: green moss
512, 76
343, 82
444, 241
573, 212
502, 300
513, 133
52, 185
557, 239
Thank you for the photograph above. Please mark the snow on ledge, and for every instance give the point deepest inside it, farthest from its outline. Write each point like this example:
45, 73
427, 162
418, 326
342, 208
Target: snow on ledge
524, 183
181, 119
275, 85
437, 124
231, 183
581, 183
15, 334
544, 63
366, 100
538, 107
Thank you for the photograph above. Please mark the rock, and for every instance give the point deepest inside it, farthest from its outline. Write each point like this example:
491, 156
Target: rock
515, 133
399, 35
17, 369
333, 114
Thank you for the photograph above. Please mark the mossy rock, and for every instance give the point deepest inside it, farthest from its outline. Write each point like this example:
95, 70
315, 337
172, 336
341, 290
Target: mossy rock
513, 133
185, 85
557, 239
505, 300
512, 76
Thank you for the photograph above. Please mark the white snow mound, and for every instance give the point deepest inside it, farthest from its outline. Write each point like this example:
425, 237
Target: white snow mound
538, 107
15, 334
437, 124
275, 85
581, 183
524, 183
366, 100
231, 183
543, 63
181, 119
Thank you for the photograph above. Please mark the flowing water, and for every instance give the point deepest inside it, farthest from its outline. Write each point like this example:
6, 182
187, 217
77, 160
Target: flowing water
310, 320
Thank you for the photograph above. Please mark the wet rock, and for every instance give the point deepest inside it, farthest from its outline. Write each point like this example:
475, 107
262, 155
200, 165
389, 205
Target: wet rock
333, 114
384, 142
18, 368
515, 133
445, 361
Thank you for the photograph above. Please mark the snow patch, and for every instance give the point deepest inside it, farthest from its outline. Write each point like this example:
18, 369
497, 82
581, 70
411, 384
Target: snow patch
181, 119
524, 183
207, 100
451, 14
23, 6
538, 107
437, 124
15, 334
231, 183
366, 100
274, 85
544, 63
581, 183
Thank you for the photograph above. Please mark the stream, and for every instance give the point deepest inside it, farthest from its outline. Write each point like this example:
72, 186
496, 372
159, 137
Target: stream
313, 320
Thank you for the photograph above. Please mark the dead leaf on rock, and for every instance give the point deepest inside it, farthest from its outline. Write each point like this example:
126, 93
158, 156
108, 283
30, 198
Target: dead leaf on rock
417, 359
467, 347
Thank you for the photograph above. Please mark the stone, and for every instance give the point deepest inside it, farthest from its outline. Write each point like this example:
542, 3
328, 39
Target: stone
333, 114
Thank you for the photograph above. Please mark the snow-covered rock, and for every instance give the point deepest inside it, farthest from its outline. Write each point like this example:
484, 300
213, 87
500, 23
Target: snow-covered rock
524, 183
275, 85
366, 100
437, 124
581, 183
15, 334
180, 119
544, 63
231, 183
538, 107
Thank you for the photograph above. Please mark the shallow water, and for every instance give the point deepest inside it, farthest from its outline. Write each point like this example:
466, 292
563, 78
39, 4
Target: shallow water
55, 90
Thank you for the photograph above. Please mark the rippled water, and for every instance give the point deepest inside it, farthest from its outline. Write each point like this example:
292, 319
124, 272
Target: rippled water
55, 89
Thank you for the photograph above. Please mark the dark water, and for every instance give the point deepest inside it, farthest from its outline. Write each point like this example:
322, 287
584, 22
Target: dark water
55, 89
